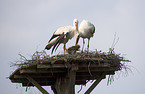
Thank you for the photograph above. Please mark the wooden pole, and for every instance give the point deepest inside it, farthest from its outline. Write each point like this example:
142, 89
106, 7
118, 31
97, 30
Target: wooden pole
94, 84
65, 84
36, 84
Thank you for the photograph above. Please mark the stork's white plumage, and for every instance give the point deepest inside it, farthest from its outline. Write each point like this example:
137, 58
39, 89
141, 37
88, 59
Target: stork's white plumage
62, 35
86, 30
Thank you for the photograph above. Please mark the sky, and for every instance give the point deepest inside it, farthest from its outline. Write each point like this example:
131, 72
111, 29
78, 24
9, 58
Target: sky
27, 25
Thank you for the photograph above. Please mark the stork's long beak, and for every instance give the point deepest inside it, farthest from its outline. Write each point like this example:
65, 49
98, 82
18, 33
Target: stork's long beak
77, 28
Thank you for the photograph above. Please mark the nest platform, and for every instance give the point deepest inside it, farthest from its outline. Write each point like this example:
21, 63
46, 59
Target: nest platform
67, 71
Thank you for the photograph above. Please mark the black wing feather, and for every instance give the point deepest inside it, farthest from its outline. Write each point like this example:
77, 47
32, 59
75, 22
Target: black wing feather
58, 42
54, 36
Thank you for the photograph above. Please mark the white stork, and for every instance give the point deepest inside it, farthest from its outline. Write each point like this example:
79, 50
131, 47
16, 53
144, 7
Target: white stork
62, 35
86, 30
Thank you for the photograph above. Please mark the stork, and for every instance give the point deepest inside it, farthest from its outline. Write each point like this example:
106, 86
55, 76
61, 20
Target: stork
62, 35
86, 30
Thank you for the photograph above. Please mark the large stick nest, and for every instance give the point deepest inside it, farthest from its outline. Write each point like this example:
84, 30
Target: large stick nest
102, 57
94, 56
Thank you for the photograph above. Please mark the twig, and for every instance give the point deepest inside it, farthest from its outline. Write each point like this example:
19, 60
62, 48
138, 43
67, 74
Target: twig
22, 57
27, 86
89, 69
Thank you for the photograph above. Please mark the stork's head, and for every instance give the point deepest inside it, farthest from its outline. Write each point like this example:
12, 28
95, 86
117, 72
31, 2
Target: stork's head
75, 23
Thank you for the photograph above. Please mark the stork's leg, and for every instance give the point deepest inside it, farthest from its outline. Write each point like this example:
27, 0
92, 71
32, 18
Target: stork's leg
65, 49
83, 44
88, 44
77, 40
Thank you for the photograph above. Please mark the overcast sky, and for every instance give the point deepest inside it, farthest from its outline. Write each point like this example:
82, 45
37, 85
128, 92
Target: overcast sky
27, 25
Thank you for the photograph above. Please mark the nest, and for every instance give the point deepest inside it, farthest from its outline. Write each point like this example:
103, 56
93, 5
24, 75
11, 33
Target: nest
96, 57
40, 57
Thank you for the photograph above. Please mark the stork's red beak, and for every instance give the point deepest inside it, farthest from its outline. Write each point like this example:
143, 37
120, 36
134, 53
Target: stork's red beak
77, 28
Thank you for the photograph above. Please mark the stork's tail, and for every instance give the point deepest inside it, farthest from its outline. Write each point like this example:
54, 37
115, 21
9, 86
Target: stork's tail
48, 46
51, 42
